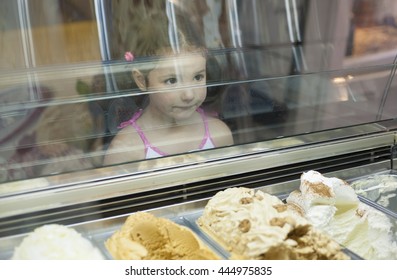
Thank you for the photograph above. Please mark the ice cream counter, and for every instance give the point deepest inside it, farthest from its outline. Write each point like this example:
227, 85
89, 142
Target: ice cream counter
353, 211
310, 173
99, 231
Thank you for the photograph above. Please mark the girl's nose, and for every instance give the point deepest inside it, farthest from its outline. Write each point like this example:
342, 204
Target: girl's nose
187, 95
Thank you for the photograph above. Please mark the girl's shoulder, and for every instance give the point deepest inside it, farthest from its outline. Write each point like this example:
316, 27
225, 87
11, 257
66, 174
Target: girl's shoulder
219, 131
125, 146
216, 123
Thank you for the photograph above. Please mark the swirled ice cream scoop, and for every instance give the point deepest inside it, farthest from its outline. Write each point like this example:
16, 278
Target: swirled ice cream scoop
144, 236
319, 197
255, 225
331, 205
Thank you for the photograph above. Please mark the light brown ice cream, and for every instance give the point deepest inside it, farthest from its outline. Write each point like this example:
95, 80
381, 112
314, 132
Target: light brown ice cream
255, 225
146, 237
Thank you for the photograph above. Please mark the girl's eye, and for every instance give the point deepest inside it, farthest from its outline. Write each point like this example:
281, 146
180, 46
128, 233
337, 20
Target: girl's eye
199, 77
171, 81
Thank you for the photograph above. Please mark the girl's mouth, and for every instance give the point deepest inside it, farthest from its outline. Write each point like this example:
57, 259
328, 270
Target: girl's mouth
184, 108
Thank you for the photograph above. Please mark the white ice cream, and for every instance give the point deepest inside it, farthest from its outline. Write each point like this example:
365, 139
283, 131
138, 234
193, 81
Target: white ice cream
56, 242
331, 205
381, 189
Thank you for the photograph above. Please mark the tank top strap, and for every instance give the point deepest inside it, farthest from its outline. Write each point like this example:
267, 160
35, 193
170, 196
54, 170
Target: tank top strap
138, 129
131, 121
205, 122
150, 151
207, 141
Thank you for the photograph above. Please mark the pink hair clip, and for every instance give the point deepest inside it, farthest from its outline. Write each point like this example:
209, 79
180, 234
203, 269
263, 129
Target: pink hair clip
129, 56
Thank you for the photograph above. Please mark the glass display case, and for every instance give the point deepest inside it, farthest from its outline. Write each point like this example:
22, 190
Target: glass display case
284, 87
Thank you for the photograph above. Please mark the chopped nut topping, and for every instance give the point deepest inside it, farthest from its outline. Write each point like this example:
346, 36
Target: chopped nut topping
299, 232
277, 222
360, 212
280, 207
280, 222
246, 200
244, 225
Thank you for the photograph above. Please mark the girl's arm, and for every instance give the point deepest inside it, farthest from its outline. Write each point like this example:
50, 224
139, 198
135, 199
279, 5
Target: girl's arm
220, 132
124, 148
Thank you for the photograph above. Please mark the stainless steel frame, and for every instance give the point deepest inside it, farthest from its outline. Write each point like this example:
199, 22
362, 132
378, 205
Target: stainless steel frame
186, 214
93, 185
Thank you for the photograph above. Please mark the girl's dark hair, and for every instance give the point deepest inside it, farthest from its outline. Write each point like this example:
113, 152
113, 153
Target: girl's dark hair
148, 31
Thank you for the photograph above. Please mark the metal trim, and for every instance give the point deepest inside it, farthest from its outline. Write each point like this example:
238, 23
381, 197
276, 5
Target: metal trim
159, 177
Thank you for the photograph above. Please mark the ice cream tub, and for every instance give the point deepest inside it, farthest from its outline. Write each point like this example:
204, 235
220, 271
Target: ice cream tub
144, 236
331, 205
380, 188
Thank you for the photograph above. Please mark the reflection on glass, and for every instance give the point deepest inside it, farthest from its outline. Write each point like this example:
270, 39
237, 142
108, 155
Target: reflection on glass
374, 27
11, 43
171, 119
257, 70
62, 31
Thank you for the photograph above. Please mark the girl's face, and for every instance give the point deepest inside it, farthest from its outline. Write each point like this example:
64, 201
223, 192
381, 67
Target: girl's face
178, 85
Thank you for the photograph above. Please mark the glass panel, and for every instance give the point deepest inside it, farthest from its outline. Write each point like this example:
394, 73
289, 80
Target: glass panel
374, 25
11, 37
45, 118
373, 33
62, 32
204, 75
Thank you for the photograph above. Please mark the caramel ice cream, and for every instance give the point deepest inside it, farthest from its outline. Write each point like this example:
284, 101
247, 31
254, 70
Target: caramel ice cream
146, 237
332, 206
255, 225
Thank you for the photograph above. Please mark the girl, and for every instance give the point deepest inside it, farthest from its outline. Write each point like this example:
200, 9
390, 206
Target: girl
172, 120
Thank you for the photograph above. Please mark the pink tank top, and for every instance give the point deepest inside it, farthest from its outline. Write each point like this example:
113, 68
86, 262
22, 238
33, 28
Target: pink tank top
154, 152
